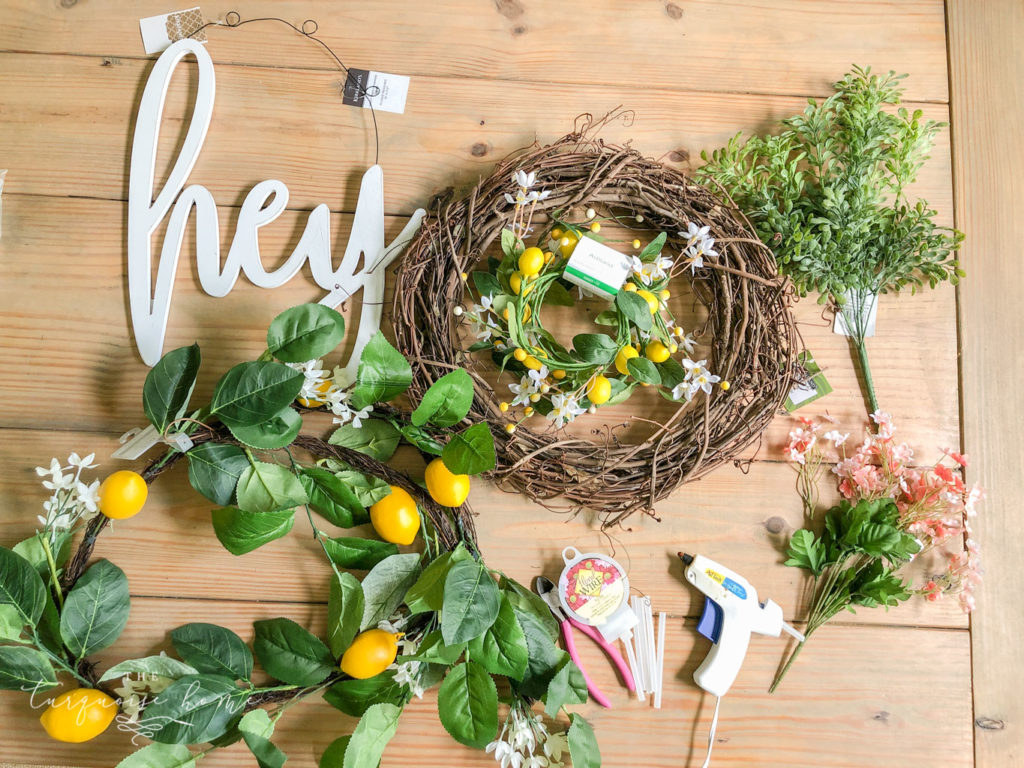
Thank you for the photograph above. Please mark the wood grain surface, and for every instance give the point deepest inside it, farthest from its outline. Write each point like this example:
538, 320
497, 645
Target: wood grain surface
874, 689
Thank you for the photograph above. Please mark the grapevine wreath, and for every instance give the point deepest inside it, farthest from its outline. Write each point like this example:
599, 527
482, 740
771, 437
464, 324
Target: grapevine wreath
435, 615
749, 326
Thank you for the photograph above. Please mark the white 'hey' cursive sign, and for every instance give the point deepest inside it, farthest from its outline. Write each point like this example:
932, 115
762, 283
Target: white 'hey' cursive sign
150, 305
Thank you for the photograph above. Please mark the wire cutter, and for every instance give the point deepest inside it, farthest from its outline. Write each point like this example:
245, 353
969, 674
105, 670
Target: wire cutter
546, 589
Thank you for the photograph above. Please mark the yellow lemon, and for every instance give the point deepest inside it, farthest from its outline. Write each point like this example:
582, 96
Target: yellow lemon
651, 299
79, 715
600, 390
532, 363
371, 653
309, 402
567, 243
122, 494
623, 357
531, 261
631, 287
395, 517
520, 354
445, 487
657, 352
558, 373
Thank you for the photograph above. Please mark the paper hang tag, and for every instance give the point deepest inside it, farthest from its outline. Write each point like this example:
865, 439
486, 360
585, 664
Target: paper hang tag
869, 307
596, 268
814, 388
158, 32
385, 92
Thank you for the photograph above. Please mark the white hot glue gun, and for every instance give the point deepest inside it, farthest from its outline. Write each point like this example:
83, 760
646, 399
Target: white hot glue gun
731, 613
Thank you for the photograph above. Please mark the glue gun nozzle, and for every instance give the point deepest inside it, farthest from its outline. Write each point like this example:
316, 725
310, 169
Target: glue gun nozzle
687, 559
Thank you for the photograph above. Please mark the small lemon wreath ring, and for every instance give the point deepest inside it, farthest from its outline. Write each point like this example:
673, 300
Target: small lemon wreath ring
749, 328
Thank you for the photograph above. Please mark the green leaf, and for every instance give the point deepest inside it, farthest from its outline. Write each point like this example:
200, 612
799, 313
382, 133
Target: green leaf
241, 532
150, 666
276, 432
376, 438
21, 586
486, 283
305, 332
596, 348
373, 732
160, 756
368, 489
358, 554
557, 295
24, 669
447, 401
635, 309
427, 594
32, 549
96, 610
12, 625
169, 385
502, 650
291, 653
471, 602
344, 612
544, 656
214, 469
878, 539
643, 370
420, 438
385, 586
256, 728
354, 697
269, 488
253, 392
334, 755
194, 709
583, 747
213, 649
568, 686
511, 245
383, 373
805, 551
468, 705
332, 498
671, 373
652, 249
525, 600
471, 451
434, 651
609, 317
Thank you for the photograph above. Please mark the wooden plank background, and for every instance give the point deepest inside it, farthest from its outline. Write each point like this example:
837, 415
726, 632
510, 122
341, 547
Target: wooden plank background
878, 688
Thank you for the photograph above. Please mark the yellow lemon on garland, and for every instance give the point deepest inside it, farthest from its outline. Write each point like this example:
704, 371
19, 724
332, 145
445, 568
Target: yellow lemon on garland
79, 715
122, 494
531, 261
309, 402
395, 517
532, 363
623, 357
371, 653
600, 390
567, 243
657, 352
445, 487
652, 301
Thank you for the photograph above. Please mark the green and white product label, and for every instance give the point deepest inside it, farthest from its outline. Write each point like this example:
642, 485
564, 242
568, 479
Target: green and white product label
596, 268
815, 387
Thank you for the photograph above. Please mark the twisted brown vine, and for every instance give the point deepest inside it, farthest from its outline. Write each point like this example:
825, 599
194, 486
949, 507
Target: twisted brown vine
752, 333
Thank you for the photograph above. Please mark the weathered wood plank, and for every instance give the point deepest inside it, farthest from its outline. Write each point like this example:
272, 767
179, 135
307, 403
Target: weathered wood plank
784, 47
294, 129
862, 710
741, 520
985, 64
63, 304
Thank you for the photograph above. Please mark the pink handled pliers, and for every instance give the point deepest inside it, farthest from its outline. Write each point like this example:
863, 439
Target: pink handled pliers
546, 589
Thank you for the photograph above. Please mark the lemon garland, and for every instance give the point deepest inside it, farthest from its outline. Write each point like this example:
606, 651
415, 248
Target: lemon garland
416, 620
567, 383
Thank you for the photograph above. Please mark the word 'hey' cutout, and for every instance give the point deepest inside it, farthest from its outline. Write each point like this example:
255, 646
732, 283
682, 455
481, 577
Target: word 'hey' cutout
150, 305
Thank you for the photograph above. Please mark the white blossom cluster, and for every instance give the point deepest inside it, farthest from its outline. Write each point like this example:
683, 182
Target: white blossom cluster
525, 742
71, 498
319, 388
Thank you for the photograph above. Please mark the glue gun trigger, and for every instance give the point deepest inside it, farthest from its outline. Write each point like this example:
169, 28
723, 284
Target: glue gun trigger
710, 623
